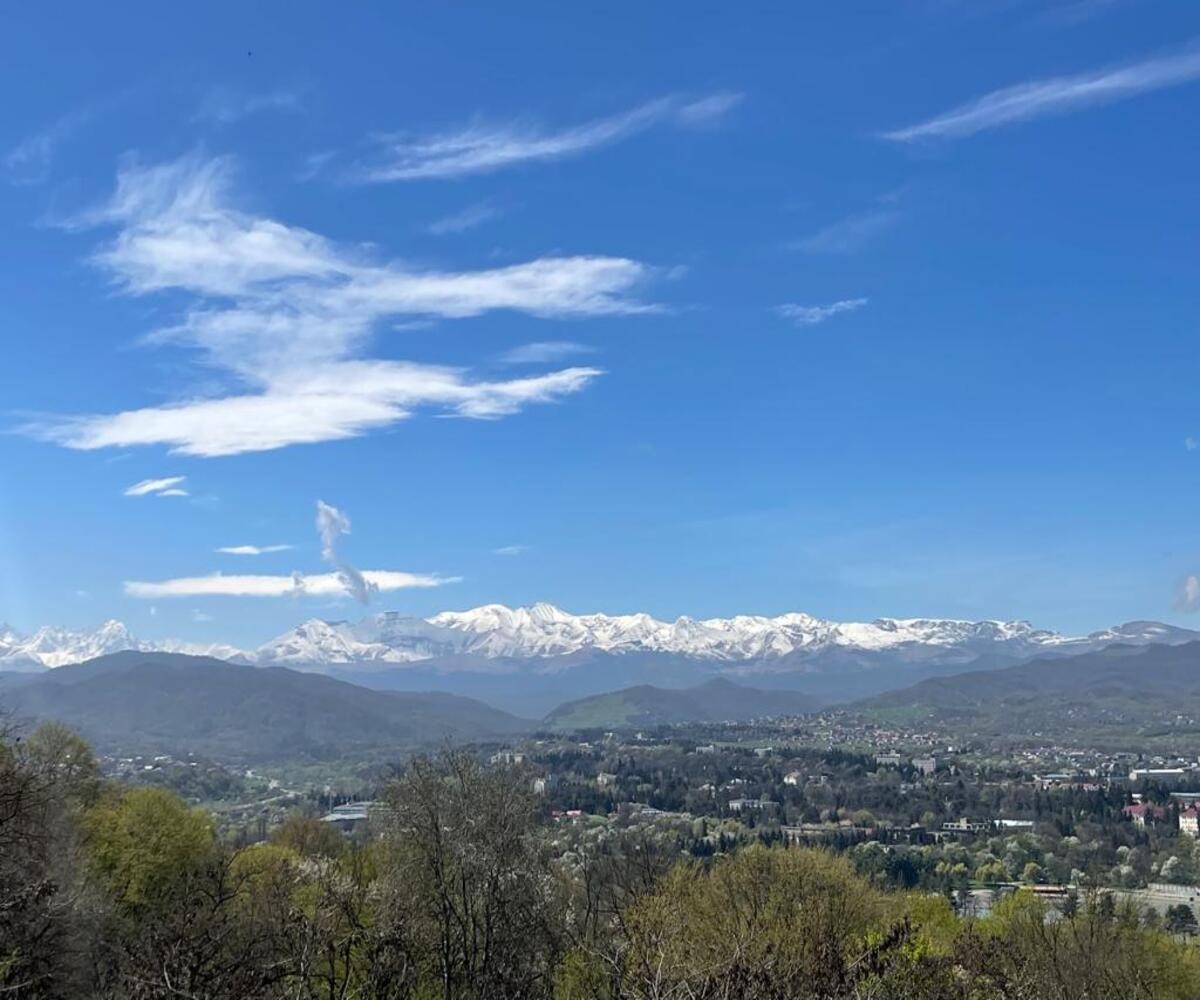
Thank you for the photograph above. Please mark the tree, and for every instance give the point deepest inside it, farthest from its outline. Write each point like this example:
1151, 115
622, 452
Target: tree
1087, 957
468, 883
773, 923
309, 837
143, 842
46, 780
1180, 919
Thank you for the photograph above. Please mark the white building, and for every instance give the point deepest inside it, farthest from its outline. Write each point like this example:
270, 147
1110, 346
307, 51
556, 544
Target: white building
746, 805
1157, 774
543, 785
926, 765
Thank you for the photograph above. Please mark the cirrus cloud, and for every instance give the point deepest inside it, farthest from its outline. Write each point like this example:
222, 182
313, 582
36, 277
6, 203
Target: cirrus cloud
168, 486
484, 148
812, 315
286, 315
544, 352
1055, 96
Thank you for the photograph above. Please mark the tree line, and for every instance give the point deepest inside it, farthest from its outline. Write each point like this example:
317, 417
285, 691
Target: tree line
465, 889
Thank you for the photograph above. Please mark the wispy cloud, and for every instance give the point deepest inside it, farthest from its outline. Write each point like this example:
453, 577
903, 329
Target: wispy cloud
225, 106
544, 352
510, 550
285, 313
1056, 96
295, 585
467, 218
710, 109
165, 487
812, 315
851, 234
314, 164
29, 161
483, 148
1190, 443
1077, 11
252, 550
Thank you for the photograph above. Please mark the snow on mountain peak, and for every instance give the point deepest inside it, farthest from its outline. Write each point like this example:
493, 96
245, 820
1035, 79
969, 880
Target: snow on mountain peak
51, 646
543, 631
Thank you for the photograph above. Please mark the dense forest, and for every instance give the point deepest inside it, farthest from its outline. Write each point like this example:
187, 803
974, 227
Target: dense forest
464, 888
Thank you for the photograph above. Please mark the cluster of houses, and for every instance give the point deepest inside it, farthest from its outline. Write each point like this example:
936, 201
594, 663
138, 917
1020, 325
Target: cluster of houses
924, 765
1183, 810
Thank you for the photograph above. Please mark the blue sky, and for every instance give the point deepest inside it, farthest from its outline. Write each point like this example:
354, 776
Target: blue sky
855, 309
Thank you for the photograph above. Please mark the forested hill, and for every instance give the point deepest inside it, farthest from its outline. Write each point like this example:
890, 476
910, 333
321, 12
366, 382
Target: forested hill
134, 702
646, 705
1117, 697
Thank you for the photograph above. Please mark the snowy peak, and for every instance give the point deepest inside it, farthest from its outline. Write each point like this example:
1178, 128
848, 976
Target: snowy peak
789, 641
384, 638
543, 632
51, 646
1141, 633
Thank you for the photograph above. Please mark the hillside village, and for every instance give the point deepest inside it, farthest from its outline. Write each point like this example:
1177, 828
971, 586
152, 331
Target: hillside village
910, 808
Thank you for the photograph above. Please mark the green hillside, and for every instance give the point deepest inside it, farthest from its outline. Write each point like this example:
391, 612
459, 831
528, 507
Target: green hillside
1123, 697
646, 705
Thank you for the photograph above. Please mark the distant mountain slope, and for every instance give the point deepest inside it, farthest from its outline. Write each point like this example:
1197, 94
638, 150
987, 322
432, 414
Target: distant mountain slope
135, 702
646, 705
1118, 696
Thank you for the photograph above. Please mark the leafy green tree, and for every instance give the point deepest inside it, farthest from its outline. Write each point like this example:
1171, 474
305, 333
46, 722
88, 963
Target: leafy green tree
774, 923
1088, 957
309, 837
143, 842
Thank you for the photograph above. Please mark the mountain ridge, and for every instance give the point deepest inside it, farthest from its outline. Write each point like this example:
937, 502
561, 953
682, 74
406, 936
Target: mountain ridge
1120, 697
543, 632
154, 702
529, 660
716, 700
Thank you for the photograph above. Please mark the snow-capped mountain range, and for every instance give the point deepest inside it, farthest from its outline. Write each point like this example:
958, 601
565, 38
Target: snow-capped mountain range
544, 631
57, 647
551, 638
